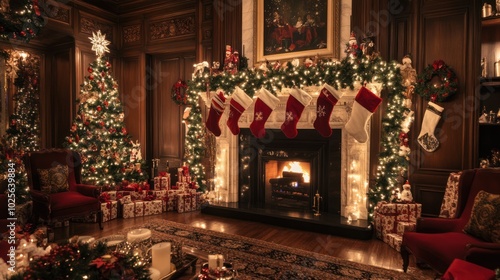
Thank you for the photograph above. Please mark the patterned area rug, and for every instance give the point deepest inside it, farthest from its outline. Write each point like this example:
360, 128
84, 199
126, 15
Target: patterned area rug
256, 259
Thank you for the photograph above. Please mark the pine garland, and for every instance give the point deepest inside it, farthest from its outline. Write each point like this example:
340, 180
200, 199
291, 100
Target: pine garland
339, 74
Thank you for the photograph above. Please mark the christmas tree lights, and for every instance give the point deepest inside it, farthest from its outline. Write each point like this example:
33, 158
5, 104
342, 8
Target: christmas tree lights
355, 68
98, 132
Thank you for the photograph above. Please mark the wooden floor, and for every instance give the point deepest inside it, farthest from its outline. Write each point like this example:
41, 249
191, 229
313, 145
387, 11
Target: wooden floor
372, 252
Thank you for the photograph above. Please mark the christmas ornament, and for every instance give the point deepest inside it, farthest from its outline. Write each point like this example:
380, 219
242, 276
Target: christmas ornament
295, 105
217, 107
437, 83
264, 105
99, 43
365, 103
238, 104
327, 99
426, 138
406, 193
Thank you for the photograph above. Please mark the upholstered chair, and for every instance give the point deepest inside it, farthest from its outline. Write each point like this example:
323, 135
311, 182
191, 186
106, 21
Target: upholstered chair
474, 236
54, 179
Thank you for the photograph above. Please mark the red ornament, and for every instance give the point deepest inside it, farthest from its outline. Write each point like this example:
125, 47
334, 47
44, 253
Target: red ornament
22, 33
90, 69
91, 77
108, 64
102, 124
99, 108
433, 97
103, 73
77, 138
106, 103
92, 169
124, 130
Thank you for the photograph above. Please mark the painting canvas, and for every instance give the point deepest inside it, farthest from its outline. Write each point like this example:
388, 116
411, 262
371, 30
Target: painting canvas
296, 28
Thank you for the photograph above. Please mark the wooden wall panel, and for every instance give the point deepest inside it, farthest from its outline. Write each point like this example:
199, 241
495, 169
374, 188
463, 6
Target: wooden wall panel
62, 98
133, 96
167, 130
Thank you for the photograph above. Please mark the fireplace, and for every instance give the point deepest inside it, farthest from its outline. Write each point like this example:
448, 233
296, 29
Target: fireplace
281, 173
340, 179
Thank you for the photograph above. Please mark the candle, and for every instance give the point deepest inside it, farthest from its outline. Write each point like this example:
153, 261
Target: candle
160, 254
138, 235
155, 273
220, 260
212, 262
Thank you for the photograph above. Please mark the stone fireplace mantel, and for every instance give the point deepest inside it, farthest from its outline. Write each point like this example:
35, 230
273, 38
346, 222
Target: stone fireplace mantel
354, 155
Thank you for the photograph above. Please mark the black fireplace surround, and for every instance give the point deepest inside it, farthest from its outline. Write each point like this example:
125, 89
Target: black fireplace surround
322, 154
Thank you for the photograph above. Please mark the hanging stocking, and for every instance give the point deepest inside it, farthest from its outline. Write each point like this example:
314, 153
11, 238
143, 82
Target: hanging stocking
216, 109
239, 103
365, 103
327, 99
264, 105
295, 105
426, 138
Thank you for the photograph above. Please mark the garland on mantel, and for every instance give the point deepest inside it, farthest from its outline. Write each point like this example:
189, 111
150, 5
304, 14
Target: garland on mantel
339, 74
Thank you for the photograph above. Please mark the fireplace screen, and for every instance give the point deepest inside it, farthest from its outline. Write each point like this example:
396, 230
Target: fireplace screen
287, 184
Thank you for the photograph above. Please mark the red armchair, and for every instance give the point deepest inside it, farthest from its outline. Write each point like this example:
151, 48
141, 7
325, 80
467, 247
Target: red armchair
54, 179
438, 241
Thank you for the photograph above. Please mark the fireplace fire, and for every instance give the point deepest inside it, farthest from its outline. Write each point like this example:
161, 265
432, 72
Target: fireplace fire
289, 188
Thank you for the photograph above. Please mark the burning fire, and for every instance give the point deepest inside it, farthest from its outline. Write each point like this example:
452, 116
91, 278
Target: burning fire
294, 166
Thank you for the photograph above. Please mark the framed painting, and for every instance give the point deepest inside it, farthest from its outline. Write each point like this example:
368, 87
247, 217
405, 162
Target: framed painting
287, 29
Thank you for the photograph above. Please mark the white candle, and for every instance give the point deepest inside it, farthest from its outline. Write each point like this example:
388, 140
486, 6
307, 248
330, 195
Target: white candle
138, 235
212, 262
155, 274
160, 254
220, 260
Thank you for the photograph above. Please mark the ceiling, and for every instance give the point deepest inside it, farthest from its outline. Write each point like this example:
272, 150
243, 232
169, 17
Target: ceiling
124, 6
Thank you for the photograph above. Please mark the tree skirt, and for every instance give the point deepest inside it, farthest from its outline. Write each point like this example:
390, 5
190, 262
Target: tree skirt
256, 259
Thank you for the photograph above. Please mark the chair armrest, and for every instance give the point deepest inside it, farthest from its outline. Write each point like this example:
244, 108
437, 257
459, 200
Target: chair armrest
40, 197
436, 225
485, 254
88, 190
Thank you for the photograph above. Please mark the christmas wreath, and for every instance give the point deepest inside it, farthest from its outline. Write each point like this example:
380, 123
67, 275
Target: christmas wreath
437, 82
179, 92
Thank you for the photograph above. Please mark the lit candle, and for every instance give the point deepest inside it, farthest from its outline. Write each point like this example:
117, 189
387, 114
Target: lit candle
155, 273
138, 235
212, 262
160, 254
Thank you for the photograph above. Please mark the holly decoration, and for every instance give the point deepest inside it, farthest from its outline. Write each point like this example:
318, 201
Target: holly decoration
179, 95
437, 83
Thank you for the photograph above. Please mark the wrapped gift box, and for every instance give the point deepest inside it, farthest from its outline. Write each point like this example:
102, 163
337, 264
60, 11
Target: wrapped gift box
152, 207
394, 240
133, 209
169, 203
162, 182
388, 215
184, 202
109, 210
403, 227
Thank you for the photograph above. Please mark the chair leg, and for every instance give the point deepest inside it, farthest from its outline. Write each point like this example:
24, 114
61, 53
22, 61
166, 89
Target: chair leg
405, 255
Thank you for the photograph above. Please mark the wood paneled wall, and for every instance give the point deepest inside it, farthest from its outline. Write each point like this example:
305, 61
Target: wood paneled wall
432, 30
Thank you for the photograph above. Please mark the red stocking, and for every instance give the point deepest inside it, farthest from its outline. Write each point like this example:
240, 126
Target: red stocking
216, 109
327, 99
239, 103
264, 106
295, 105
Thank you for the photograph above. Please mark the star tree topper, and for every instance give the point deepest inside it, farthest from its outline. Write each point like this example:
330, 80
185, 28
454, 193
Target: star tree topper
99, 43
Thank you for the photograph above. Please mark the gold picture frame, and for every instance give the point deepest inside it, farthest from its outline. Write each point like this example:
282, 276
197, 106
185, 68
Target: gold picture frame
289, 29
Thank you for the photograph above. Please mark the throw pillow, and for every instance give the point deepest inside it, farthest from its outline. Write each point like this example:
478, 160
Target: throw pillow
450, 198
484, 221
54, 179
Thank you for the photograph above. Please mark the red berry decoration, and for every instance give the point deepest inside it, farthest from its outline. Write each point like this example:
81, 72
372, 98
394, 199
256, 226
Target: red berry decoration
106, 103
103, 73
108, 64
22, 33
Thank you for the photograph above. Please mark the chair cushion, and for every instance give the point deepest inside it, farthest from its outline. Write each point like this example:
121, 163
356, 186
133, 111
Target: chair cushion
450, 199
72, 204
55, 179
438, 249
484, 221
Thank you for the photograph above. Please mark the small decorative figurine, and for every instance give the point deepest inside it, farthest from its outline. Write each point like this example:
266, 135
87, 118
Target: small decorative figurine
406, 193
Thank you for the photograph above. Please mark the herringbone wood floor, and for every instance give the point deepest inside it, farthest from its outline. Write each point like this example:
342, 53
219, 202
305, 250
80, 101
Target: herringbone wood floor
371, 252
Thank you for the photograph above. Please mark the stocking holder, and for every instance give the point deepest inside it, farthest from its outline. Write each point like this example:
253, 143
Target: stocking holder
316, 203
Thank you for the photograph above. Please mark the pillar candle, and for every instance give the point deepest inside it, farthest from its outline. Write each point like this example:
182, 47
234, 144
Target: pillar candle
161, 257
220, 260
212, 262
138, 235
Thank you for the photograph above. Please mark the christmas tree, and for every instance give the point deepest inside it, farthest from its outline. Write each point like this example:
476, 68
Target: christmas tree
23, 134
98, 133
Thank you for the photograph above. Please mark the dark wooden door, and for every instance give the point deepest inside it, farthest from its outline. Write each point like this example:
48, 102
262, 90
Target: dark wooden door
166, 131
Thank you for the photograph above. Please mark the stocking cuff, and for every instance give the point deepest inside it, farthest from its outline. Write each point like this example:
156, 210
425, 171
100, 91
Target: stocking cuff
241, 98
436, 109
368, 99
301, 96
337, 94
268, 98
219, 101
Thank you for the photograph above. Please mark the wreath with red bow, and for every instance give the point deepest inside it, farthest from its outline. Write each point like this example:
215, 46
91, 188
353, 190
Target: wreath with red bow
437, 83
179, 92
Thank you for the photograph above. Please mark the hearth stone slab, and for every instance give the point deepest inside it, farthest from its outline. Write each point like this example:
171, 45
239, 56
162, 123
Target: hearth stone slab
325, 223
